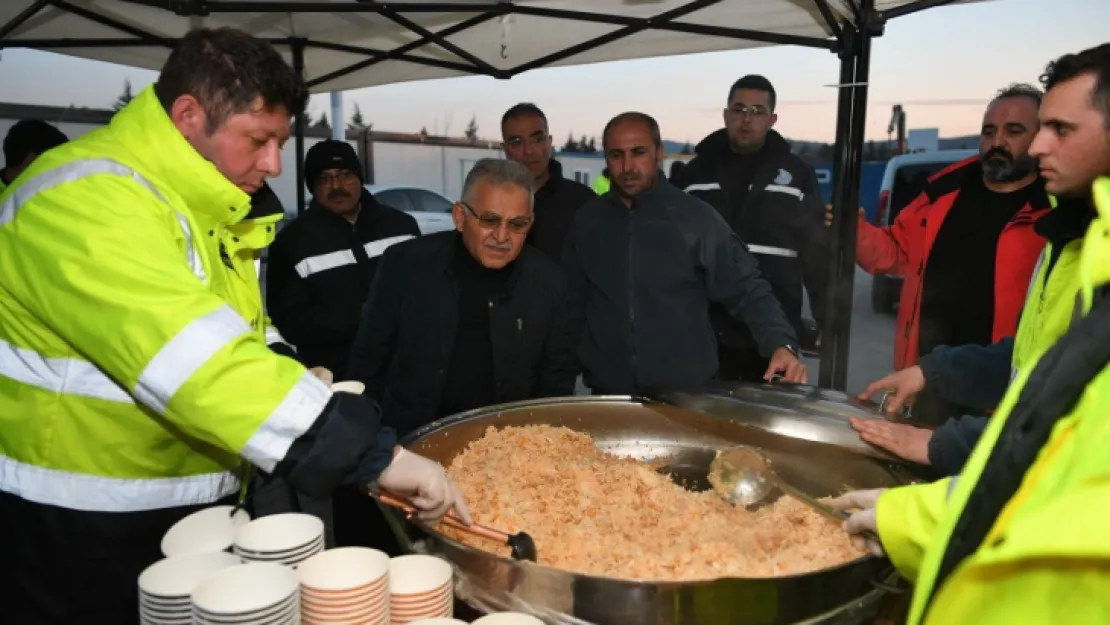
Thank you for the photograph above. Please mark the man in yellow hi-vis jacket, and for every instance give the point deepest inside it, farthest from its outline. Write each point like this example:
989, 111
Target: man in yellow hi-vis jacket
1020, 536
136, 384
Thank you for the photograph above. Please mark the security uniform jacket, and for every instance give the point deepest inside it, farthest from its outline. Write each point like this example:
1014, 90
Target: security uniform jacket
557, 202
408, 331
641, 279
779, 214
319, 272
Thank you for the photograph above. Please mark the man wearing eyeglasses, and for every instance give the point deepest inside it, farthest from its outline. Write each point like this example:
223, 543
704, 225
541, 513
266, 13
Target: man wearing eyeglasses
770, 199
464, 319
527, 140
321, 265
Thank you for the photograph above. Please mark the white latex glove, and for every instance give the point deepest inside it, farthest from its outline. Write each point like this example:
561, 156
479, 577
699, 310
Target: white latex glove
425, 484
861, 525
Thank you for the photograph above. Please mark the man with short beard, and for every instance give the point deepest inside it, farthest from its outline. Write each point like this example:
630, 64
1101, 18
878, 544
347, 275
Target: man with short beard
966, 245
322, 264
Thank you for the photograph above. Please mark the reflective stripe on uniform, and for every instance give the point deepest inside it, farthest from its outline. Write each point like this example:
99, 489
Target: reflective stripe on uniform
703, 186
273, 336
186, 353
768, 250
377, 248
292, 418
778, 188
77, 491
60, 375
324, 262
76, 170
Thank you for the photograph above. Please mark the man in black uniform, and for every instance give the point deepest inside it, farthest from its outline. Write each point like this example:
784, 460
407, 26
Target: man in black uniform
527, 141
461, 320
322, 263
770, 198
643, 262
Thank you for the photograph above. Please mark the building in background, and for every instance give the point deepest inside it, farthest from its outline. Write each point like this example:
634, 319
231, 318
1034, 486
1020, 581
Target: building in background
438, 164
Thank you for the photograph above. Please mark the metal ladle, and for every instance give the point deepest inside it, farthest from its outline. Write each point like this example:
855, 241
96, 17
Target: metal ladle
742, 475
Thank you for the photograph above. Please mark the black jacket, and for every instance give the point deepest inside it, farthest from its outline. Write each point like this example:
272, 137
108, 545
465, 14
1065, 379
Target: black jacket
557, 202
781, 220
641, 279
407, 334
319, 272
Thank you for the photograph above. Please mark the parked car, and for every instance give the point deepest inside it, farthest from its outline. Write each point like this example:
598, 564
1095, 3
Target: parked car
431, 210
904, 179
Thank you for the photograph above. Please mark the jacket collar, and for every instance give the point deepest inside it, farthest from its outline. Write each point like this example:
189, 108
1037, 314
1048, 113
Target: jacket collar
716, 145
144, 129
554, 179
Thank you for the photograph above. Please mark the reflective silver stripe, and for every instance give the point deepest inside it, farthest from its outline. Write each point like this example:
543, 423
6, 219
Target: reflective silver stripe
292, 418
79, 491
69, 172
785, 189
703, 186
377, 248
76, 170
191, 254
768, 250
60, 375
951, 486
185, 353
323, 262
273, 336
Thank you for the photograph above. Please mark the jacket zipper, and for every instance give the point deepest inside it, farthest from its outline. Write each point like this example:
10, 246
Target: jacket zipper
631, 300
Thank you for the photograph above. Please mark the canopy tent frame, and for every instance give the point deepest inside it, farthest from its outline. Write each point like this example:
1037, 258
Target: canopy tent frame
849, 39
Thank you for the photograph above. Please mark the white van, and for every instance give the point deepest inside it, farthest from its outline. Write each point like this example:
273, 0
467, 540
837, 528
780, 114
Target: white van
903, 180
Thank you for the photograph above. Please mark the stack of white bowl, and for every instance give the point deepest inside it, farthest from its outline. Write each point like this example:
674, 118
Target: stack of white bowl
345, 585
289, 538
165, 586
248, 593
205, 531
508, 618
420, 587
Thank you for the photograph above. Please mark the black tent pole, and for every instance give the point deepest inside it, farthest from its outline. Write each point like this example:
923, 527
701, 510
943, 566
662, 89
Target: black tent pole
298, 127
855, 57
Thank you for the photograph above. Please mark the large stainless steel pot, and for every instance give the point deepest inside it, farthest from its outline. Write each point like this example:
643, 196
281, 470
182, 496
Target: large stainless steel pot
805, 434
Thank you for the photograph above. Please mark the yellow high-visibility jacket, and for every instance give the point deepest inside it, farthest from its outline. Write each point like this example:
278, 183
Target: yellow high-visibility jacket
134, 368
1047, 556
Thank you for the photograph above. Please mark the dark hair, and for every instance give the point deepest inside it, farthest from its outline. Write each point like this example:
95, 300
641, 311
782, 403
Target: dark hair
1094, 61
227, 70
1019, 90
757, 83
30, 136
524, 109
634, 116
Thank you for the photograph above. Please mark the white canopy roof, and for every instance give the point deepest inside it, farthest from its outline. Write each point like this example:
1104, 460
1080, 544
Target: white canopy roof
350, 44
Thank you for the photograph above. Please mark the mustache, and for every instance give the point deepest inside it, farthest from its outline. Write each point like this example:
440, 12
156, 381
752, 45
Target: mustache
506, 246
335, 194
1002, 153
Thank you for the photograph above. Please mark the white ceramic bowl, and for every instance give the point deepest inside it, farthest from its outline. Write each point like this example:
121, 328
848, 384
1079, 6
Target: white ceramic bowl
284, 532
245, 589
508, 618
176, 577
343, 569
208, 530
418, 574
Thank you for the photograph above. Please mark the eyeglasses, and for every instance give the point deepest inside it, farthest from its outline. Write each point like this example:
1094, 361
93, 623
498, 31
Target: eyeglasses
743, 110
535, 141
344, 177
518, 225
